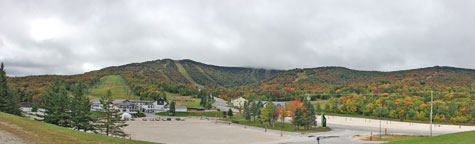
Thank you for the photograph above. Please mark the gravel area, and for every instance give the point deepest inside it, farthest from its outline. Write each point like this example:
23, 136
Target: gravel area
196, 131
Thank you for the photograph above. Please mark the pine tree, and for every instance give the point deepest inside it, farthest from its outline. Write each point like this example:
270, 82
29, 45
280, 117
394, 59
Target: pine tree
254, 110
80, 108
172, 109
247, 111
299, 118
4, 98
14, 103
109, 121
56, 103
309, 115
230, 113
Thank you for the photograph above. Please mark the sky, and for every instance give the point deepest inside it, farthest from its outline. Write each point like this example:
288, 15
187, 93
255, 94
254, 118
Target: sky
77, 36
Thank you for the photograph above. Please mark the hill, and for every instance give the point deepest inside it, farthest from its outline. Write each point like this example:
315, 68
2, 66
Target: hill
115, 83
398, 94
40, 132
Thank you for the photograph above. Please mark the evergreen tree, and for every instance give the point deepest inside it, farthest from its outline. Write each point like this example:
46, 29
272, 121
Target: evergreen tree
299, 118
109, 121
172, 110
230, 113
259, 106
80, 108
14, 103
309, 115
56, 103
254, 110
4, 98
247, 111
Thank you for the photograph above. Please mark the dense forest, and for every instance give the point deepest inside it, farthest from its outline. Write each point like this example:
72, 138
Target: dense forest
398, 94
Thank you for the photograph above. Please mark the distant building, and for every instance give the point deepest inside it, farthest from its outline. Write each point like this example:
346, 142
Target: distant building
276, 103
133, 106
239, 102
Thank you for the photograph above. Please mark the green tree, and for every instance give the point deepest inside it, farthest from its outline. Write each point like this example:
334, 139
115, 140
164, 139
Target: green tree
254, 110
172, 109
230, 113
299, 118
247, 111
267, 113
56, 103
309, 115
318, 108
80, 105
7, 98
109, 121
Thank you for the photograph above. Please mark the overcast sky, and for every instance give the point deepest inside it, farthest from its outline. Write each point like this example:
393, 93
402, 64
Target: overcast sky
71, 37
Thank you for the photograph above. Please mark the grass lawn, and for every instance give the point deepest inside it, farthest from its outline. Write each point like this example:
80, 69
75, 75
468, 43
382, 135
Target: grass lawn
278, 125
116, 84
455, 138
179, 99
40, 132
390, 137
207, 114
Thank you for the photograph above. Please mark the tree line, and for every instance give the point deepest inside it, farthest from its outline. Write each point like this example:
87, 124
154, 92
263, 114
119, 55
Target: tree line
301, 111
9, 97
72, 109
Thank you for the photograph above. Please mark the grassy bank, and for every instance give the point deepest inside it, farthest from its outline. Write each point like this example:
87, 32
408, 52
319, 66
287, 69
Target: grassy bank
40, 132
116, 84
186, 101
455, 138
390, 137
277, 125
207, 114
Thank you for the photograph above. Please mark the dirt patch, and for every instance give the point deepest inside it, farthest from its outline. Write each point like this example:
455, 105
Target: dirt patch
7, 137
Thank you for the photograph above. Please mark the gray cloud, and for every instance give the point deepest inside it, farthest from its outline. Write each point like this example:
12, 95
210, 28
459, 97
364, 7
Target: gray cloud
70, 37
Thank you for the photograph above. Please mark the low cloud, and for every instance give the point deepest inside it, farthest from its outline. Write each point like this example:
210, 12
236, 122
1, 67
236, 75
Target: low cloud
71, 37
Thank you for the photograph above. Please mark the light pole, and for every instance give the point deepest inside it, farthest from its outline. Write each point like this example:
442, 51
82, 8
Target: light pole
431, 101
380, 111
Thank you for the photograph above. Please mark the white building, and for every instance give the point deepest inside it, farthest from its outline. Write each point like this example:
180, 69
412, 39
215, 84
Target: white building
239, 102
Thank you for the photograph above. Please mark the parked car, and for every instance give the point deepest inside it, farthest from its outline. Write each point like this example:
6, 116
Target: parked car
169, 119
144, 119
157, 119
132, 119
164, 119
152, 119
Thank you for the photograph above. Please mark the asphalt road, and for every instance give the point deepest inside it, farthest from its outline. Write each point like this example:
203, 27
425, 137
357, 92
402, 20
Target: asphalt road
222, 105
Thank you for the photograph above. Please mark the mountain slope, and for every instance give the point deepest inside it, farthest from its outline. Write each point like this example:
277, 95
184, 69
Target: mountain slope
148, 79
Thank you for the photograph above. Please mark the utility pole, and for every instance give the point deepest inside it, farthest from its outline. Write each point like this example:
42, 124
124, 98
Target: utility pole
380, 111
431, 101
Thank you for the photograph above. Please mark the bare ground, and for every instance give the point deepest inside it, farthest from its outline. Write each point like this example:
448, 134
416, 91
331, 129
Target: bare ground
196, 131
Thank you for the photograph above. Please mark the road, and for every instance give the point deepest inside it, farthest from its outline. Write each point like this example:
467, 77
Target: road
222, 105
344, 128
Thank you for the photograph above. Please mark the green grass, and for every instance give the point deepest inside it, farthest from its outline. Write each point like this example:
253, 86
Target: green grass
455, 138
182, 70
207, 114
116, 84
40, 132
278, 125
195, 103
391, 137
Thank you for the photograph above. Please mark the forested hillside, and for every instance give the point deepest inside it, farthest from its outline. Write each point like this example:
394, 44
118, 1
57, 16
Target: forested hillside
399, 94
